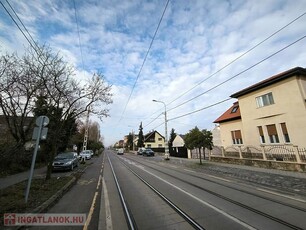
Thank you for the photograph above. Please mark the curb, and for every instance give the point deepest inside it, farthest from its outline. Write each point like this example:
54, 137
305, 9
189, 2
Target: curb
48, 203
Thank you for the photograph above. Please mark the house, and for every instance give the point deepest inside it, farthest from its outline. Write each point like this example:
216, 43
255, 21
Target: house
154, 140
6, 135
178, 148
270, 112
216, 135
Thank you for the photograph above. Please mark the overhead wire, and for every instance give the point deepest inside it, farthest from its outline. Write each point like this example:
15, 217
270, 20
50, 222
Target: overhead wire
198, 110
240, 56
153, 120
28, 39
222, 101
145, 58
78, 30
236, 75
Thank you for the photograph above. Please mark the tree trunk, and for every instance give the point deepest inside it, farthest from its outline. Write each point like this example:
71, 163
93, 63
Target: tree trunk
204, 153
52, 155
200, 156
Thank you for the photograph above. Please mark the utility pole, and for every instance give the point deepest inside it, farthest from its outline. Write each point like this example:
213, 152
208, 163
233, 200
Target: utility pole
166, 132
86, 130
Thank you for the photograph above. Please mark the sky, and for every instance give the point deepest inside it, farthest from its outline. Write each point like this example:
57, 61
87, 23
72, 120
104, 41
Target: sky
202, 52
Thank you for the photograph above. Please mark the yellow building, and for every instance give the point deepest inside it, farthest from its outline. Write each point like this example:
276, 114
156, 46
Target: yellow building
154, 140
271, 112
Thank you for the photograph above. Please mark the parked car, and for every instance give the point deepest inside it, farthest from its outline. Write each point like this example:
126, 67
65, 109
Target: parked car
65, 161
140, 150
86, 154
148, 152
120, 151
91, 152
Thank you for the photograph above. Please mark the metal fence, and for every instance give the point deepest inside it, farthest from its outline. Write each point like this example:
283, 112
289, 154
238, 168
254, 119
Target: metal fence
287, 153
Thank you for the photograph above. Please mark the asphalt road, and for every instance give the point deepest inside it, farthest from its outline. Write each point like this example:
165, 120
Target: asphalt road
213, 202
130, 192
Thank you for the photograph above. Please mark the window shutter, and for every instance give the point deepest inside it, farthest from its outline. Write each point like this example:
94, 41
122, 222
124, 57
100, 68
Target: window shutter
238, 134
284, 128
260, 131
271, 130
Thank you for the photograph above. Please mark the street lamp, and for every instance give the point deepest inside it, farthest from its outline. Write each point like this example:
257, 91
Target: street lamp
133, 137
166, 135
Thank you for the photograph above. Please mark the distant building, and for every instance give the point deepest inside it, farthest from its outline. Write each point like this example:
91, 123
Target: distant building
178, 147
154, 140
5, 134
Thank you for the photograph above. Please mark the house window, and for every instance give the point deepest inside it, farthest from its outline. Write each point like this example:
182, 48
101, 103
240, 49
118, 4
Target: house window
234, 109
285, 132
264, 100
236, 137
160, 139
261, 135
148, 145
160, 145
272, 132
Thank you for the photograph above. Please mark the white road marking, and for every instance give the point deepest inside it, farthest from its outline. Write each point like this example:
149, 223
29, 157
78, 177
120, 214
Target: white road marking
205, 203
220, 178
172, 166
109, 222
187, 170
279, 194
99, 182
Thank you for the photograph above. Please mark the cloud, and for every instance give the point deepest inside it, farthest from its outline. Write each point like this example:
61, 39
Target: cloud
195, 40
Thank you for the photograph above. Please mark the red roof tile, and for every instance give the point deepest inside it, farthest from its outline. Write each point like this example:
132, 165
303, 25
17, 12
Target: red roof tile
233, 113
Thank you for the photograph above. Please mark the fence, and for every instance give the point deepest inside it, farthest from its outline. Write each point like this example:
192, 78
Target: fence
287, 153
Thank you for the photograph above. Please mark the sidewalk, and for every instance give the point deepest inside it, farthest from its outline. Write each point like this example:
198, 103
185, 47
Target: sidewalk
294, 182
19, 177
245, 167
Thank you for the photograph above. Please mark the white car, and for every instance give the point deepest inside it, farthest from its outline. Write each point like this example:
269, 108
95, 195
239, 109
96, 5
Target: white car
120, 151
86, 154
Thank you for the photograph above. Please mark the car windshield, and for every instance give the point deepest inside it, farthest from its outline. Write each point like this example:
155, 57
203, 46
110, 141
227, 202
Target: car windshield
64, 156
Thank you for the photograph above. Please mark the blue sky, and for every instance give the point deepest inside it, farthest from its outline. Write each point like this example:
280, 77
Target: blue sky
195, 40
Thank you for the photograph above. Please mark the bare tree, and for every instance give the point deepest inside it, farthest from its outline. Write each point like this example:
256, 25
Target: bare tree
43, 74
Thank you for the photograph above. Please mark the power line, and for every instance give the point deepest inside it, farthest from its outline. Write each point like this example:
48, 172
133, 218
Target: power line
236, 75
129, 98
237, 58
23, 24
196, 111
7, 11
231, 62
79, 36
153, 120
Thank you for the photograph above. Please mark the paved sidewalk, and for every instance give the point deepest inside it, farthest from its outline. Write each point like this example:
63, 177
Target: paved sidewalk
19, 177
294, 182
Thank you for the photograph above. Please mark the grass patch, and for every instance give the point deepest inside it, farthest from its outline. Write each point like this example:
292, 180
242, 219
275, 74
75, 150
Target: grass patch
12, 199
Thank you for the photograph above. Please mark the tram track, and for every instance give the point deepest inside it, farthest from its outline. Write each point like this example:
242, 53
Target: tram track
268, 216
129, 215
227, 186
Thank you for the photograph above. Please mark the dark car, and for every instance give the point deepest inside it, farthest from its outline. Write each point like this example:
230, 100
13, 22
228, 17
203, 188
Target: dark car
65, 161
148, 152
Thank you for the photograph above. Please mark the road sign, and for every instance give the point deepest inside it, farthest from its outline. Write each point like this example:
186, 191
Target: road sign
42, 120
39, 133
43, 133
